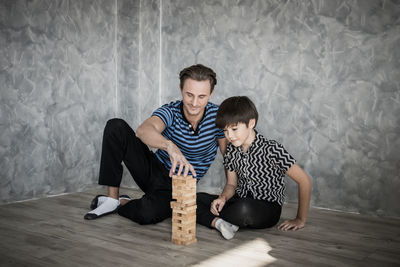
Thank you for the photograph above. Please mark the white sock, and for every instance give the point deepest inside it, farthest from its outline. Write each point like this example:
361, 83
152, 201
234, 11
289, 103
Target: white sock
108, 205
100, 200
227, 229
127, 198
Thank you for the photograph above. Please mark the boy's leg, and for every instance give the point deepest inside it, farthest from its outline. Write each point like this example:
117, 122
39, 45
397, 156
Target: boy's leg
205, 217
252, 213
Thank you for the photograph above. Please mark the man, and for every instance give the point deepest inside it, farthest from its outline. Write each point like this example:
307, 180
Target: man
185, 134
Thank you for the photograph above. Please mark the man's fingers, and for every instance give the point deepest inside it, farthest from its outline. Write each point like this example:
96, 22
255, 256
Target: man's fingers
185, 173
192, 170
173, 167
180, 169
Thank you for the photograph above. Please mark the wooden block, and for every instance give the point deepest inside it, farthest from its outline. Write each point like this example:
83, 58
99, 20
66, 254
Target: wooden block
183, 210
184, 242
180, 222
178, 206
184, 214
188, 230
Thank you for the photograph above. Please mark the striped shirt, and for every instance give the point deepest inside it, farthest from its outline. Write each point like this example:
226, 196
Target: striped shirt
261, 169
198, 146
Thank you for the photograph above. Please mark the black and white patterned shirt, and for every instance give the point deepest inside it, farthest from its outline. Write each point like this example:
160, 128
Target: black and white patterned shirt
261, 169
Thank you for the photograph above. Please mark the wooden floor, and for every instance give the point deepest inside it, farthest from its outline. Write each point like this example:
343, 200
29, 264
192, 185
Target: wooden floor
52, 232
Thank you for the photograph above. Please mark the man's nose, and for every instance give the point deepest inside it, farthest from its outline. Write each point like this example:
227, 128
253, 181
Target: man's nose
195, 101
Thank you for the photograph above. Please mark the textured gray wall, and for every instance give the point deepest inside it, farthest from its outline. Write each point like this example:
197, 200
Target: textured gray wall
58, 87
323, 74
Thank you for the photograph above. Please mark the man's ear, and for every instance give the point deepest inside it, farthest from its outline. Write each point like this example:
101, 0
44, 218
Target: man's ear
252, 123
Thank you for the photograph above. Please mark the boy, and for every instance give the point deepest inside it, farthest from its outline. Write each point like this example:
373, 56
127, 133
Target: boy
254, 191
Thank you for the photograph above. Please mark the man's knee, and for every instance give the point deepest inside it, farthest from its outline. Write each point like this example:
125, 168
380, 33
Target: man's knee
115, 126
115, 123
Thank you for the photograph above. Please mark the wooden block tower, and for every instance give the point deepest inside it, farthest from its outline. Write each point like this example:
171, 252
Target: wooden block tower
183, 210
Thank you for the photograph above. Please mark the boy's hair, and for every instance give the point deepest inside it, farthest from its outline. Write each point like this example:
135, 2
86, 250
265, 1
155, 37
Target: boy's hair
234, 110
198, 73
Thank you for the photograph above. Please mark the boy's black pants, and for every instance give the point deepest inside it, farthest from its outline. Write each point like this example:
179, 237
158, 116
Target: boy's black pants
120, 144
243, 212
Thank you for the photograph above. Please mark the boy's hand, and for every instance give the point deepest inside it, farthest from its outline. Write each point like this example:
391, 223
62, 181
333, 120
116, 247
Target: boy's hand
292, 225
217, 205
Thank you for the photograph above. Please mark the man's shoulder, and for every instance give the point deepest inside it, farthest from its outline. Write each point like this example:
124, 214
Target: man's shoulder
171, 107
173, 104
211, 109
213, 106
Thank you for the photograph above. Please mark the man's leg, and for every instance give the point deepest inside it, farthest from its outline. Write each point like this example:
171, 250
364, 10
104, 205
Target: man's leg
152, 208
121, 144
203, 213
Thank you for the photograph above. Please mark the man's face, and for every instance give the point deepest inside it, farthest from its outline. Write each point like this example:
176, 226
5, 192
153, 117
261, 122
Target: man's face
195, 96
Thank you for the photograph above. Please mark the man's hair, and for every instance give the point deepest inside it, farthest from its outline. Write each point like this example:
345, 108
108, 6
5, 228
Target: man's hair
234, 110
198, 73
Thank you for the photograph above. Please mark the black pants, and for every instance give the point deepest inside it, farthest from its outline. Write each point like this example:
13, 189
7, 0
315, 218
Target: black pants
120, 144
243, 212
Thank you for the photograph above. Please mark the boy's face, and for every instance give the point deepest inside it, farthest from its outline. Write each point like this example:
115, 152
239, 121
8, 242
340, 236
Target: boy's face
240, 134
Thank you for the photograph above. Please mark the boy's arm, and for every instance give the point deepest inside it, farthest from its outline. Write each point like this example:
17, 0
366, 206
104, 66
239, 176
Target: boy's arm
304, 183
227, 193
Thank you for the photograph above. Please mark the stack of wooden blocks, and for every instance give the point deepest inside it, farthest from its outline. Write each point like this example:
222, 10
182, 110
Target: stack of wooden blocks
183, 210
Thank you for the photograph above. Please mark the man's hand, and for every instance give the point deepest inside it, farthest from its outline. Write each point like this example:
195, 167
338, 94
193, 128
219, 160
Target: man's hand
177, 159
293, 225
217, 205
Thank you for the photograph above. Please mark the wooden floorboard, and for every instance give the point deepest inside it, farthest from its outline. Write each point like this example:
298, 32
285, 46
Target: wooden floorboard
52, 232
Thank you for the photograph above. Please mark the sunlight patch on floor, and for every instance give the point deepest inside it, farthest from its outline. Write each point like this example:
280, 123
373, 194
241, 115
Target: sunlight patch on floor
250, 254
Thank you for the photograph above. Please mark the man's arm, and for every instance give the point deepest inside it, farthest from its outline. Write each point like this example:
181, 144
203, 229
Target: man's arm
304, 183
150, 134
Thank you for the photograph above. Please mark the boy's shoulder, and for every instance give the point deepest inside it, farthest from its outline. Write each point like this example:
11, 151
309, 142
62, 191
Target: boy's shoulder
265, 143
262, 140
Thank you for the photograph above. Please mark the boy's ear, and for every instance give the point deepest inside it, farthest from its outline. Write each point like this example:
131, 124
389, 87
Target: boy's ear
252, 123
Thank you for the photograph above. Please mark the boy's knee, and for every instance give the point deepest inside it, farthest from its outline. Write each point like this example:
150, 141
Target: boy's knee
245, 214
240, 213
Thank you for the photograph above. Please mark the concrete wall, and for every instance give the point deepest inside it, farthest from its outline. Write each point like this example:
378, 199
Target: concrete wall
59, 75
323, 74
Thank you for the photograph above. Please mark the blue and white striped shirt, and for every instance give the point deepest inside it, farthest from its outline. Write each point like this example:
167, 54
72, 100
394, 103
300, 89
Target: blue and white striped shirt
200, 146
